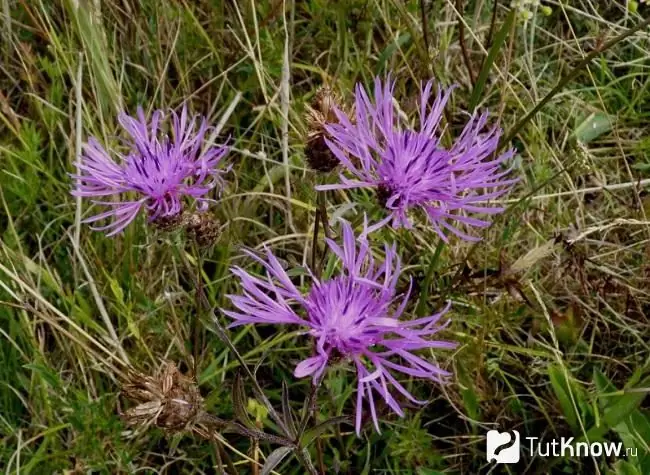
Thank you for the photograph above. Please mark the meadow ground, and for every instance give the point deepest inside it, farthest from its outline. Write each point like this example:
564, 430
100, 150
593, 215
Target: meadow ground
551, 309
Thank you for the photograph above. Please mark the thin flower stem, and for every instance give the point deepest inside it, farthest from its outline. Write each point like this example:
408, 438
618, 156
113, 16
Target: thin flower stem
256, 453
222, 455
319, 454
314, 245
310, 407
322, 210
202, 304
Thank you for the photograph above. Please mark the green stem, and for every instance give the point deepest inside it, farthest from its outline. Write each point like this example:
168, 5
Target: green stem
314, 245
322, 210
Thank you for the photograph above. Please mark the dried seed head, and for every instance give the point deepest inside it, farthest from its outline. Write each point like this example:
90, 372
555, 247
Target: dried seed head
202, 228
325, 102
169, 400
319, 113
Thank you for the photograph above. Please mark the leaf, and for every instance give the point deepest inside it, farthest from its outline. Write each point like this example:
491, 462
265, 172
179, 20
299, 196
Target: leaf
312, 434
274, 459
634, 430
421, 308
238, 398
116, 288
390, 50
50, 377
499, 41
618, 408
287, 413
563, 393
471, 398
93, 38
595, 125
533, 256
471, 403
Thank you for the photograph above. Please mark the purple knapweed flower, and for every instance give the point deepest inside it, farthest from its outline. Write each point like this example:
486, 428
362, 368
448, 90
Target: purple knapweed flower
354, 315
160, 169
410, 168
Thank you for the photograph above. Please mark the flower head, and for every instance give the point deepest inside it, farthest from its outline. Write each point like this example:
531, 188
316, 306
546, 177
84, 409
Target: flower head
411, 169
354, 315
161, 170
319, 114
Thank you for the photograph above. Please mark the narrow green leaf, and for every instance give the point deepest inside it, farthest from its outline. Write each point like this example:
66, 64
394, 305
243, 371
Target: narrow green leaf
421, 308
93, 36
49, 376
563, 393
239, 402
499, 41
315, 432
633, 430
617, 410
390, 50
287, 413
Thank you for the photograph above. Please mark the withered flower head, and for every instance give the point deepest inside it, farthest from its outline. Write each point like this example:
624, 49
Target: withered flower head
169, 400
202, 228
320, 112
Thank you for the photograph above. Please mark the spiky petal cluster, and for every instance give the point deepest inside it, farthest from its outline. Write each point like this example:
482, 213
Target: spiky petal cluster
354, 314
160, 169
411, 169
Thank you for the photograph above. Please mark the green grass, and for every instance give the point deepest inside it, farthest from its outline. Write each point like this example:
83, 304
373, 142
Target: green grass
551, 309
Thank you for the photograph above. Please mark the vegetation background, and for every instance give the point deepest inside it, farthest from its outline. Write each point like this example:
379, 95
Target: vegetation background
551, 309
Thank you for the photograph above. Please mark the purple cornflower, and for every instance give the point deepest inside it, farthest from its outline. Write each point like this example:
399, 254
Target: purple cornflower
354, 315
411, 169
160, 169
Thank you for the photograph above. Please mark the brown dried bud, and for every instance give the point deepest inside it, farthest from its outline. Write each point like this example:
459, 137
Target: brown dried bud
202, 228
170, 400
319, 113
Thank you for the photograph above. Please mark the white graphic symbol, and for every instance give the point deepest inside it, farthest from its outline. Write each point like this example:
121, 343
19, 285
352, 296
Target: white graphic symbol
502, 447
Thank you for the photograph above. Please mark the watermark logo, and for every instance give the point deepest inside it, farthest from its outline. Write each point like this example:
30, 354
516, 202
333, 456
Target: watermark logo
503, 447
569, 448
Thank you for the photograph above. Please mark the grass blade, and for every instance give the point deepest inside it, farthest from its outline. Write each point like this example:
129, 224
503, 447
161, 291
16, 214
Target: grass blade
499, 41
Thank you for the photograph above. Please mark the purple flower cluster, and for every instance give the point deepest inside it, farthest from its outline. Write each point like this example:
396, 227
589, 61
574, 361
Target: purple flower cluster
160, 170
357, 314
411, 169
354, 314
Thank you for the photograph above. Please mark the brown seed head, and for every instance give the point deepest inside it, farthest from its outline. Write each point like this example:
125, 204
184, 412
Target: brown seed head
169, 400
319, 113
203, 228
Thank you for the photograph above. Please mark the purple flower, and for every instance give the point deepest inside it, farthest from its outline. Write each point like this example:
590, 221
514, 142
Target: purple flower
160, 169
411, 169
354, 315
